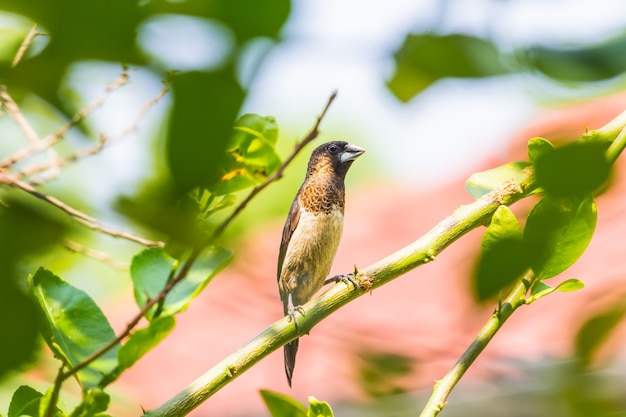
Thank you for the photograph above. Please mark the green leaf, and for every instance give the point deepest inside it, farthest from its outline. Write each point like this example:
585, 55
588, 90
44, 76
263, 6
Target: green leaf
25, 402
504, 255
204, 112
74, 326
212, 260
482, 183
583, 63
78, 31
558, 231
570, 285
151, 270
537, 147
94, 402
253, 154
574, 170
425, 58
281, 405
318, 408
259, 19
541, 289
597, 329
25, 233
144, 340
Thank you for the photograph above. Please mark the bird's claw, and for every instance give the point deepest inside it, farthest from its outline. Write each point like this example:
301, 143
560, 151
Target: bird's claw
344, 278
291, 314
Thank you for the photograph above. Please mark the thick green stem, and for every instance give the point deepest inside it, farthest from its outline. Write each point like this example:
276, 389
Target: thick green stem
424, 250
444, 386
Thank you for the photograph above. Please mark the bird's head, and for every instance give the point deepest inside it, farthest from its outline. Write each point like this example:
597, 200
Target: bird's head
334, 158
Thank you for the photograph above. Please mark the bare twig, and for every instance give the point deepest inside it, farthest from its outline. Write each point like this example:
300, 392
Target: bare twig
97, 255
14, 111
28, 40
79, 215
50, 140
103, 141
144, 110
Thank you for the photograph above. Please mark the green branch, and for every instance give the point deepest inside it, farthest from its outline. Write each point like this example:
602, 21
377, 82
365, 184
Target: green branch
422, 251
443, 387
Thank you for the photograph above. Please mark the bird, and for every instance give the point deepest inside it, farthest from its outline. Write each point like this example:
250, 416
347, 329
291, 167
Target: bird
312, 232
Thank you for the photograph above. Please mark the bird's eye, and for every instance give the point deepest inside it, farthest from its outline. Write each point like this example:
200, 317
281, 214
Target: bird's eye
333, 149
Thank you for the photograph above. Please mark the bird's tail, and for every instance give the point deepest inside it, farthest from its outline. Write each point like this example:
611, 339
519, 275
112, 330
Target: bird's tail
291, 349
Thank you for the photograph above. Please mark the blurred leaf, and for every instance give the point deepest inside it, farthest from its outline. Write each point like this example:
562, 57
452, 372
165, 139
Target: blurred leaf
201, 122
24, 232
581, 64
538, 147
482, 183
318, 408
10, 40
144, 340
504, 256
281, 405
596, 330
74, 326
78, 30
253, 18
381, 373
151, 270
25, 402
159, 207
94, 402
253, 154
576, 169
425, 58
558, 232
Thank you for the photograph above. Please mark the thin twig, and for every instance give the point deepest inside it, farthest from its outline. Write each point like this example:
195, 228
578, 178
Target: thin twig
144, 110
50, 140
104, 140
28, 40
14, 111
97, 255
85, 219
182, 273
54, 395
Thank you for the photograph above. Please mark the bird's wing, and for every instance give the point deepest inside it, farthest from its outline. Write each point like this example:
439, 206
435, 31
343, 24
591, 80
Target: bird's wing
290, 225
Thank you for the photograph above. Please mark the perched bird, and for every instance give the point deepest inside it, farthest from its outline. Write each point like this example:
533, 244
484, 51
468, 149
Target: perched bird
312, 231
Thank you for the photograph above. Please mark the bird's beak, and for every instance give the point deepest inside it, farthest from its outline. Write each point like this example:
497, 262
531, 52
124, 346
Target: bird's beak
351, 152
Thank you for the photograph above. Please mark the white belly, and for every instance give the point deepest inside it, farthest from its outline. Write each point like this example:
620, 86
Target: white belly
315, 241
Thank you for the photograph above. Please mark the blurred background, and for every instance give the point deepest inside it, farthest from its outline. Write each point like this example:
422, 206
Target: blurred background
434, 90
